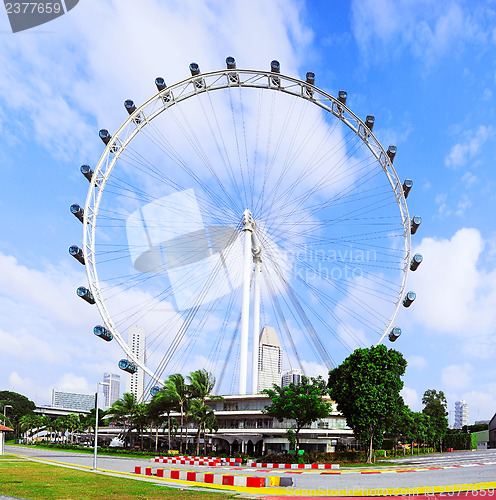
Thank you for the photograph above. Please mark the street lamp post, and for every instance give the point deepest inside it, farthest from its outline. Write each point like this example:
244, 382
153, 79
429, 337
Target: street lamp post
96, 424
2, 434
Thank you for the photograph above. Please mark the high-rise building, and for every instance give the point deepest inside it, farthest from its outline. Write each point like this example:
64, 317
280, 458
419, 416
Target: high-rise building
461, 414
135, 383
291, 377
112, 390
72, 400
269, 359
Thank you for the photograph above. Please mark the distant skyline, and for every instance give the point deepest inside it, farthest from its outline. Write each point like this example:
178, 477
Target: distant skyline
426, 70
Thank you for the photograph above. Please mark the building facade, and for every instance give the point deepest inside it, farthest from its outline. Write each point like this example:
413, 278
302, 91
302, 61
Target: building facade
243, 427
73, 401
269, 359
135, 383
111, 391
291, 377
461, 414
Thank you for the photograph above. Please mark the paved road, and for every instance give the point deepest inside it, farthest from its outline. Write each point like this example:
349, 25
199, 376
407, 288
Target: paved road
459, 468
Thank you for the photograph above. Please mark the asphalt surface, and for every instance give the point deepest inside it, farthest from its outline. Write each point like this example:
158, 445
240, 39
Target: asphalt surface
407, 475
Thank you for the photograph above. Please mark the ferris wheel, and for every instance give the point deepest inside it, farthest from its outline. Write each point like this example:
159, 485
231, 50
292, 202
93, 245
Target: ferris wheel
237, 199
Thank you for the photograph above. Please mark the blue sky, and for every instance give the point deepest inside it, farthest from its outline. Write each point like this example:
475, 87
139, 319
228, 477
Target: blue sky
426, 70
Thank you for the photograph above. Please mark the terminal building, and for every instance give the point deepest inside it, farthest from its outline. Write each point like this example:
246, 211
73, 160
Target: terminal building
72, 401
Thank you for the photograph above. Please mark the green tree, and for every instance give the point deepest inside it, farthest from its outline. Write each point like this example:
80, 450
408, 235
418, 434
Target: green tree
201, 385
165, 401
123, 410
435, 405
73, 423
180, 391
366, 387
140, 419
21, 406
299, 402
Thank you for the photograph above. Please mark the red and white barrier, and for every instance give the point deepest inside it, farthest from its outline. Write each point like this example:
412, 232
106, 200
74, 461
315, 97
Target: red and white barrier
221, 479
262, 465
212, 462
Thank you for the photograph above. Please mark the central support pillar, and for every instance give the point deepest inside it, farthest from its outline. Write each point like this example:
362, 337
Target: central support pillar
245, 311
256, 320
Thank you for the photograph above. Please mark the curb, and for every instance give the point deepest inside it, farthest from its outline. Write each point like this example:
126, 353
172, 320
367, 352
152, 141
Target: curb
220, 479
292, 466
210, 461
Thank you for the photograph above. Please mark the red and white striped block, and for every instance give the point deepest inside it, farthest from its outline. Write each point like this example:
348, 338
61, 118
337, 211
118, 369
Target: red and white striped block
219, 459
202, 477
262, 465
193, 461
186, 462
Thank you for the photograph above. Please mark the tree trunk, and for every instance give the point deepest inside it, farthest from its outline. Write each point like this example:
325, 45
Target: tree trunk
156, 438
169, 425
198, 439
297, 437
181, 442
369, 449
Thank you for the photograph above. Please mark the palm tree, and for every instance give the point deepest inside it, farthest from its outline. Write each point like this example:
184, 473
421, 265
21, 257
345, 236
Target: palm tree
210, 423
180, 392
163, 402
72, 424
26, 423
201, 385
140, 419
124, 409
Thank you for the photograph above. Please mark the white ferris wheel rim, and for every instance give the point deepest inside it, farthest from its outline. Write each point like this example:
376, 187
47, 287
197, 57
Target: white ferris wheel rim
185, 89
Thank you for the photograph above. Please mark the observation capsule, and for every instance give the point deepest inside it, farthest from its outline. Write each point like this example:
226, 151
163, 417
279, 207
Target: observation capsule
154, 390
391, 152
127, 366
105, 136
369, 122
130, 106
416, 261
407, 185
394, 334
415, 224
231, 64
85, 294
160, 83
87, 172
342, 95
194, 68
77, 253
103, 333
275, 67
311, 78
77, 211
409, 298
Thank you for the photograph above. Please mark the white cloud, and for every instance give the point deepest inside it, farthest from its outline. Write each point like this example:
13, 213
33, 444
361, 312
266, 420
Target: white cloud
428, 29
469, 179
456, 377
418, 362
69, 382
411, 398
83, 87
482, 403
464, 151
454, 296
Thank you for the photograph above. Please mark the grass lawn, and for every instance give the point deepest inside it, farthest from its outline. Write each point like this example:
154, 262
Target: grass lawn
26, 479
89, 450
